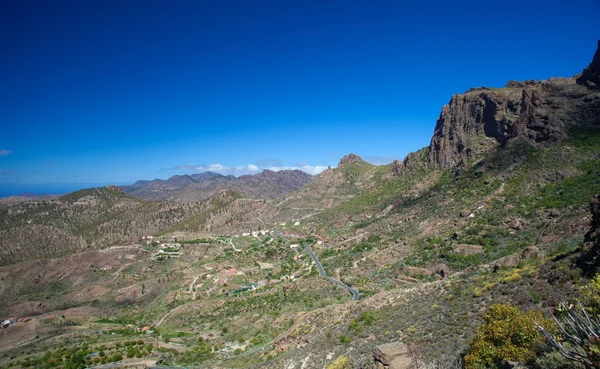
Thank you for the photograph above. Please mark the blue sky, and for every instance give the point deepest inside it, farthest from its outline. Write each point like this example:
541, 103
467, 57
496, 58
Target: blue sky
97, 92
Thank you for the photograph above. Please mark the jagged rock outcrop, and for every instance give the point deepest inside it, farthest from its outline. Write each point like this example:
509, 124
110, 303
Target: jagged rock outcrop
589, 262
416, 159
351, 159
591, 75
476, 122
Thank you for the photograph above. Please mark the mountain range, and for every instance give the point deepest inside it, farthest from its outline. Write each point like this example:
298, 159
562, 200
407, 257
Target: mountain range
185, 188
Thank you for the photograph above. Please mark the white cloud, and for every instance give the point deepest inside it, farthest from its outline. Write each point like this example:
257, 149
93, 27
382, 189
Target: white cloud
310, 169
217, 168
5, 152
244, 169
224, 169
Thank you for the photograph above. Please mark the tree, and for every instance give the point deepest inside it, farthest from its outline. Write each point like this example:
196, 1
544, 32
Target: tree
579, 328
582, 333
506, 334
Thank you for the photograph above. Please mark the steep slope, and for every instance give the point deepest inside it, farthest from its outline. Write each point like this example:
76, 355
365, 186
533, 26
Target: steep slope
186, 188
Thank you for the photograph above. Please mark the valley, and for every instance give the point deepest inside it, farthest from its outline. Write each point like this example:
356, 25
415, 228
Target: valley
286, 270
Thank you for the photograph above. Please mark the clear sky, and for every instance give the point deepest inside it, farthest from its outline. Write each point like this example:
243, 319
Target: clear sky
95, 92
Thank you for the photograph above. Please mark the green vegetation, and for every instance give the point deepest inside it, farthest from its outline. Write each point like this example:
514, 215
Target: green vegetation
506, 334
341, 362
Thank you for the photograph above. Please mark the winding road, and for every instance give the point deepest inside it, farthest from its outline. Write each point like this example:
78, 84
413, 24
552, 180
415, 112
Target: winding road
230, 243
354, 292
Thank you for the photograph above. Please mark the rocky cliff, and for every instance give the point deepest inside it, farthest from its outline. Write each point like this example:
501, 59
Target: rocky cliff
591, 75
589, 262
474, 123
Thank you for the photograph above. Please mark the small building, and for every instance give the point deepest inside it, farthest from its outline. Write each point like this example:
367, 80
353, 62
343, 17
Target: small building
146, 329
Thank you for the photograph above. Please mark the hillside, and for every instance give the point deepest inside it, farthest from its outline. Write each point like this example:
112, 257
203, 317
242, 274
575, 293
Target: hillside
83, 220
188, 188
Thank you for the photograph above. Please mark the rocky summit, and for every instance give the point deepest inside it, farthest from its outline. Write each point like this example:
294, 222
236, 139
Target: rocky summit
480, 250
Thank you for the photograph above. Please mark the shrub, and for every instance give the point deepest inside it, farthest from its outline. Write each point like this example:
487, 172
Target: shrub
345, 339
341, 362
367, 317
590, 295
506, 334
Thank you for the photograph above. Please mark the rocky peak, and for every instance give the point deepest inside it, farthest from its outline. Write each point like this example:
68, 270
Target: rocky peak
113, 188
351, 159
521, 84
591, 75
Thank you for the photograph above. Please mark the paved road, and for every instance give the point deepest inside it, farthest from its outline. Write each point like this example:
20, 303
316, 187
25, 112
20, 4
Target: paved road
354, 292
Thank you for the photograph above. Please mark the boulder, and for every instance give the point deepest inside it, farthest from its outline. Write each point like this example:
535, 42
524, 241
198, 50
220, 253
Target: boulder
385, 354
442, 270
517, 224
401, 362
464, 213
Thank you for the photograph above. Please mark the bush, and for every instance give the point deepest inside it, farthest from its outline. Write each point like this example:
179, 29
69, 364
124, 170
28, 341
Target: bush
506, 334
367, 317
341, 362
345, 339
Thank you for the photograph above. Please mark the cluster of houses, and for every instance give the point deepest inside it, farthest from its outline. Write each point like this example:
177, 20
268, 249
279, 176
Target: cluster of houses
255, 234
250, 287
167, 250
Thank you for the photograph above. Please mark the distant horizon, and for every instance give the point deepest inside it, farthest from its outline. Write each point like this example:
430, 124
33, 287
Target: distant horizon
40, 189
98, 92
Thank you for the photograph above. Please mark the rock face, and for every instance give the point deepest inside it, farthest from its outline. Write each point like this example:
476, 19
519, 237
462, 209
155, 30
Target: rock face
474, 123
415, 160
393, 355
589, 262
591, 75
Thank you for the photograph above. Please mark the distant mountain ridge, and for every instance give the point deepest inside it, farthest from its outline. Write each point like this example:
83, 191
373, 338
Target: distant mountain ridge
185, 188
